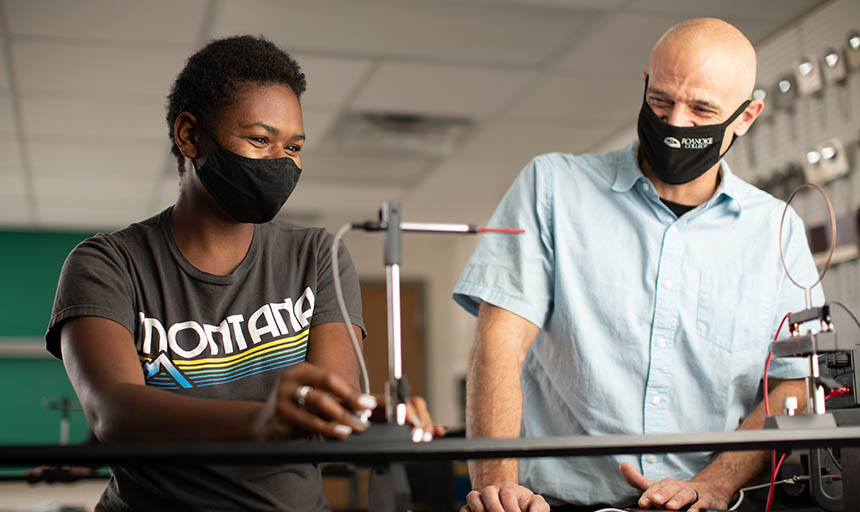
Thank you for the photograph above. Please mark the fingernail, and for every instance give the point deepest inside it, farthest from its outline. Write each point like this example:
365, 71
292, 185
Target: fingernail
644, 502
342, 430
361, 419
417, 434
367, 401
428, 437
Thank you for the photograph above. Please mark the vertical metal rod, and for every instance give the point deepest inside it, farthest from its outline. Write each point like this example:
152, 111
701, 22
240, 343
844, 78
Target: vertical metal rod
395, 409
815, 391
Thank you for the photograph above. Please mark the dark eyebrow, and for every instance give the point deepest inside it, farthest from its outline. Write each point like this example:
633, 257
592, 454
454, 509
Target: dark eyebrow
272, 129
702, 103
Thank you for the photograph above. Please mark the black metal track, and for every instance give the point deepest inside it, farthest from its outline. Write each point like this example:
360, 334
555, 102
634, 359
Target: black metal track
376, 450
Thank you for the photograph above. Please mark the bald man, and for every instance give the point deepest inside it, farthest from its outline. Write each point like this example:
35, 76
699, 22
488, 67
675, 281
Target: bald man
640, 300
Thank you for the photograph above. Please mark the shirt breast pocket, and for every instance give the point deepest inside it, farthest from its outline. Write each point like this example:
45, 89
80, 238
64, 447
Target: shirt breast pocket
735, 311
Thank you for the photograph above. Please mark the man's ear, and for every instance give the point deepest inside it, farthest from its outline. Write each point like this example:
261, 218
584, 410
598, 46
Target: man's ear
749, 115
186, 134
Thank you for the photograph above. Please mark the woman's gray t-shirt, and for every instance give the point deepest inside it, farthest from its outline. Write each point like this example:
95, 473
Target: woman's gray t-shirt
214, 336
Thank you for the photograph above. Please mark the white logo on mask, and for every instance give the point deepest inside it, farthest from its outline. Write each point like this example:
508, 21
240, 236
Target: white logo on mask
672, 142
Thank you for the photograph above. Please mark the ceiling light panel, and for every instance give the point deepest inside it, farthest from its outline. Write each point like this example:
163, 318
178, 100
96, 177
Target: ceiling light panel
457, 32
467, 91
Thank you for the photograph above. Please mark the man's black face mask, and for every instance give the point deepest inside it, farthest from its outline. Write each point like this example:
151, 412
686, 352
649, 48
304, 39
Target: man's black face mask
249, 189
680, 154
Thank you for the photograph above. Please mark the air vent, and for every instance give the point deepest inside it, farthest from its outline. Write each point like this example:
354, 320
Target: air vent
396, 134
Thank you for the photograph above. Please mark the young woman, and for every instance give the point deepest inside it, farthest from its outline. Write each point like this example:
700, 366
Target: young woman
211, 321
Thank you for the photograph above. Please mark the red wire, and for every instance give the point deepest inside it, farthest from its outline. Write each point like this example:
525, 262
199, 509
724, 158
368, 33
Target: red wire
773, 479
774, 467
509, 231
767, 364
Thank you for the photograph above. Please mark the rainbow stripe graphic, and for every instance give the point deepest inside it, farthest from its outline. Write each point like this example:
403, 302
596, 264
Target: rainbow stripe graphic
161, 372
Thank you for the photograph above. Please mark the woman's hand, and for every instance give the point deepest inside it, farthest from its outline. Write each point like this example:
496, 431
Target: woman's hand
308, 400
417, 415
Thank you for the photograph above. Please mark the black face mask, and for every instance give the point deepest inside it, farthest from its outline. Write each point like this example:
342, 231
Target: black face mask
680, 154
249, 189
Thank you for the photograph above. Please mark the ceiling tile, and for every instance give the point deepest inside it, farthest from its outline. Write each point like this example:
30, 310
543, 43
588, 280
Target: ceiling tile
101, 191
125, 160
93, 119
95, 69
617, 46
153, 21
15, 213
7, 121
4, 78
10, 157
317, 122
330, 80
604, 103
777, 12
12, 185
460, 191
459, 32
569, 4
516, 142
167, 192
362, 201
442, 90
73, 214
358, 169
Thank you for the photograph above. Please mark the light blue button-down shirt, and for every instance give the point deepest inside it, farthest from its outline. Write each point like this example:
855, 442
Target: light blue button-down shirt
650, 323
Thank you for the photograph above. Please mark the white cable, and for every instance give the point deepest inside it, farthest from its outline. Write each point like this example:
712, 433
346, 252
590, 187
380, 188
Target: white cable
338, 290
792, 480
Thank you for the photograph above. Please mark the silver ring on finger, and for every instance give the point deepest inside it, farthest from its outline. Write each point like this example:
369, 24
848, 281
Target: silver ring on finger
301, 394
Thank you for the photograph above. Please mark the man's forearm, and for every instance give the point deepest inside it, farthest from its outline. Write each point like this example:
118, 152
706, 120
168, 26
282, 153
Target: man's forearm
493, 409
494, 395
732, 470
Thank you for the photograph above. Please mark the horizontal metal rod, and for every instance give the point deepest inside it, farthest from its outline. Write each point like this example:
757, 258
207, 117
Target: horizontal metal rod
375, 450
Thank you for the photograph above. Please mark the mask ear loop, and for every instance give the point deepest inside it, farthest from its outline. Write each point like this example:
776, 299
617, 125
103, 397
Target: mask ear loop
807, 290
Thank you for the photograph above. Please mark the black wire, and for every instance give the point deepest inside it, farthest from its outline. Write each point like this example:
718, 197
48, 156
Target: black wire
843, 306
833, 458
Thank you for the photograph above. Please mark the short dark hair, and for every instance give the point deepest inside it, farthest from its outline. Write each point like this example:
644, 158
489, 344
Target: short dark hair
212, 76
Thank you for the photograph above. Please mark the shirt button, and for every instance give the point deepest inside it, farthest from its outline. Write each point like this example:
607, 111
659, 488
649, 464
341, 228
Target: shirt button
661, 342
646, 187
668, 284
655, 400
652, 459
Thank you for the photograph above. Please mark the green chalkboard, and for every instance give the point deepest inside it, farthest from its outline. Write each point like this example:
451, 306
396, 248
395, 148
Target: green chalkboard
27, 387
30, 264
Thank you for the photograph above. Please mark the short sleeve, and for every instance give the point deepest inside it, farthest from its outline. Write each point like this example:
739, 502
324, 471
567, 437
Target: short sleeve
326, 308
798, 259
94, 281
515, 272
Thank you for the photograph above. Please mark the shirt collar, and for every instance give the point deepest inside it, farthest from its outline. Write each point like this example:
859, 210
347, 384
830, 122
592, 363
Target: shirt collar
628, 174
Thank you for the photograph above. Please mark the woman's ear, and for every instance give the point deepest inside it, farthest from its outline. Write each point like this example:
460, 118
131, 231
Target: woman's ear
186, 134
